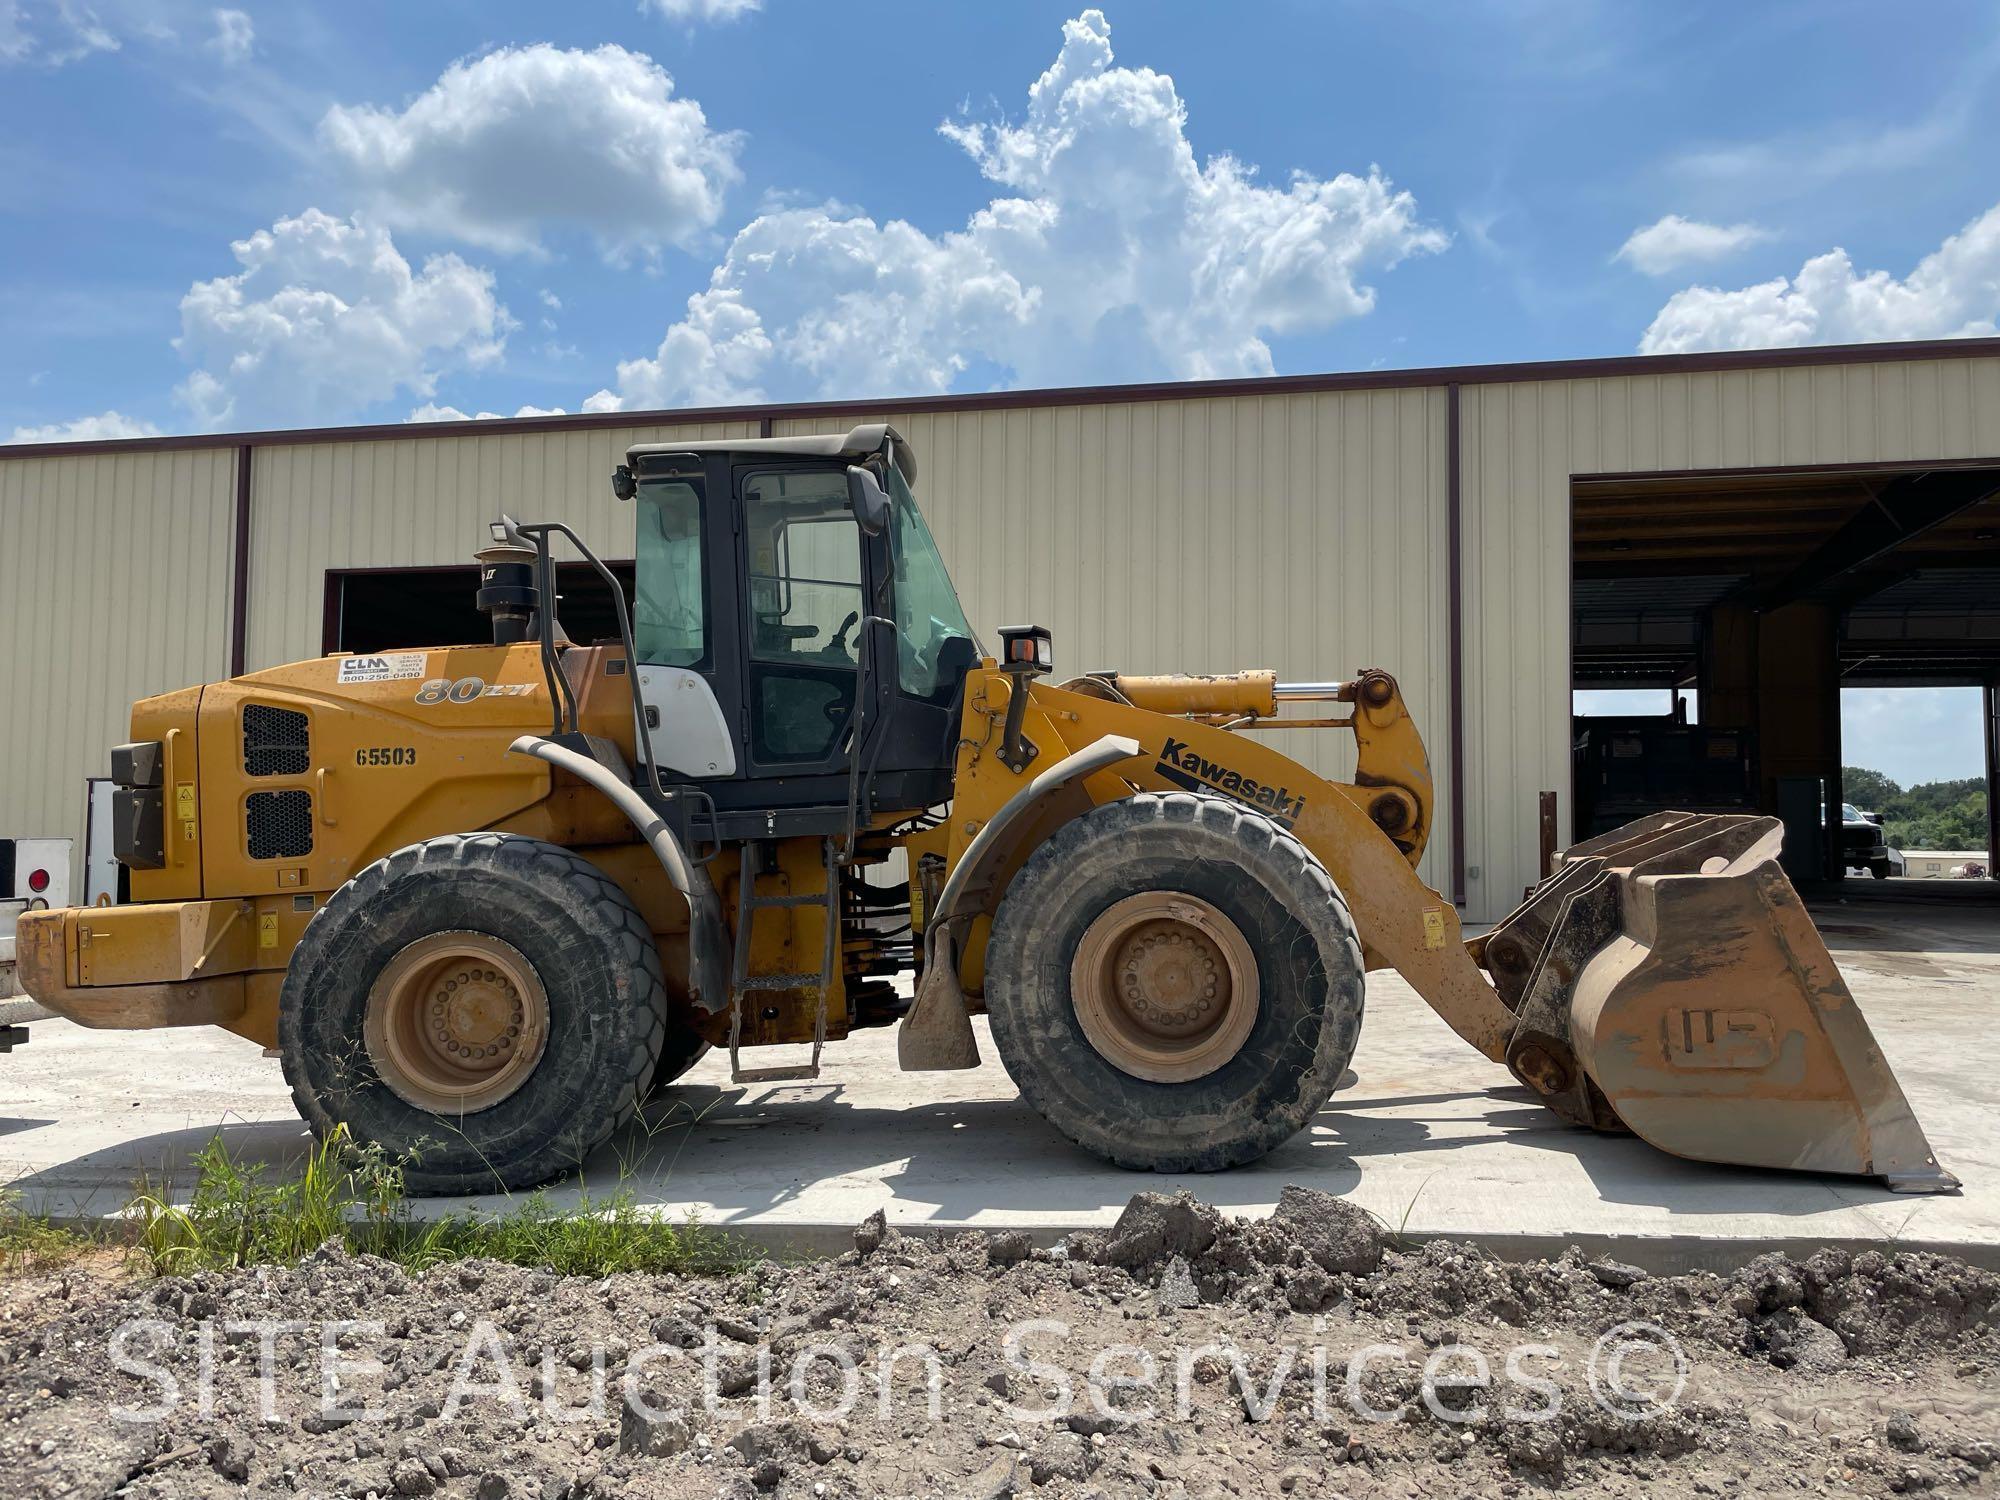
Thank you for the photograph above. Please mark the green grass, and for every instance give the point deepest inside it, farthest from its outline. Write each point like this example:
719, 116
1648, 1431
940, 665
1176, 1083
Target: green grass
239, 1216
30, 1244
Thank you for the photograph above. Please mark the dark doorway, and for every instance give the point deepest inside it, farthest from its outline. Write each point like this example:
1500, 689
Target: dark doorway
1766, 598
387, 609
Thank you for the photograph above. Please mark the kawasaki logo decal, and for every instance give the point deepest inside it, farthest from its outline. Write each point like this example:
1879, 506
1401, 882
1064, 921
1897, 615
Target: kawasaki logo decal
1184, 767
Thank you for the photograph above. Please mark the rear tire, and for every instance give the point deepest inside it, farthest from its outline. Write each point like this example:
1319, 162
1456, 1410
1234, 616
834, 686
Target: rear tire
576, 948
1261, 883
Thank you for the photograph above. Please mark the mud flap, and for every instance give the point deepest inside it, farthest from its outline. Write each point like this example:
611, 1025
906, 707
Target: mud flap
1668, 980
936, 1034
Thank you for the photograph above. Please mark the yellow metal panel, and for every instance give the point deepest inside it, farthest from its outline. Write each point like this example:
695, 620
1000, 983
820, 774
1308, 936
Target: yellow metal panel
164, 941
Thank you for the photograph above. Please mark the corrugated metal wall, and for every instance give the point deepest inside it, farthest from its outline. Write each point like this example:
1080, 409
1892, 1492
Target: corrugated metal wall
1520, 446
1305, 533
115, 578
410, 502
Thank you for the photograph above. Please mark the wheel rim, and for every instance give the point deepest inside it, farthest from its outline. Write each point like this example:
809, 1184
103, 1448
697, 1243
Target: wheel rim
1164, 986
456, 1022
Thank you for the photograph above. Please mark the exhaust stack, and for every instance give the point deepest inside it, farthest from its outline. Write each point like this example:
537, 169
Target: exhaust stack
507, 590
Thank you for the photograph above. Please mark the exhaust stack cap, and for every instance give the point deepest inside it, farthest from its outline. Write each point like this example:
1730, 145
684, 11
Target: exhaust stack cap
507, 590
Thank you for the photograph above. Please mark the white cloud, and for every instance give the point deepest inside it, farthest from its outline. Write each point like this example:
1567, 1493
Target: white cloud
1954, 292
551, 300
51, 35
507, 146
1674, 243
325, 318
106, 424
1116, 255
235, 37
430, 411
15, 43
702, 10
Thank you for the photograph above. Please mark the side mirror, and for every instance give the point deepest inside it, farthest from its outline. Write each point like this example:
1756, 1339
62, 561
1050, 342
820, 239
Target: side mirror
868, 500
623, 485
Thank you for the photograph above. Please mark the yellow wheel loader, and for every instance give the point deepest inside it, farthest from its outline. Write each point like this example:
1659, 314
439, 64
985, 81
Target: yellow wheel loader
484, 900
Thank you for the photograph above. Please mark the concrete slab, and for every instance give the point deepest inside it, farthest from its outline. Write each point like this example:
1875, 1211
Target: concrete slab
1427, 1135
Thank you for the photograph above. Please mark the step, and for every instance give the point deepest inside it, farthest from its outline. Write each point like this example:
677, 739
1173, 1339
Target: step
780, 982
800, 1073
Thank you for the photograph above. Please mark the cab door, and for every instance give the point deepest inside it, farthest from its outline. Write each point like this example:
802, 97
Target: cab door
804, 566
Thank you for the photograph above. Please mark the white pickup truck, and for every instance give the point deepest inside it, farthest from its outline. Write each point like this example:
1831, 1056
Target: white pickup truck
33, 873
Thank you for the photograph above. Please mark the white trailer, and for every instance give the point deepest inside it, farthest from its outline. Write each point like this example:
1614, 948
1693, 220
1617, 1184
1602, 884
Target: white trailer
34, 873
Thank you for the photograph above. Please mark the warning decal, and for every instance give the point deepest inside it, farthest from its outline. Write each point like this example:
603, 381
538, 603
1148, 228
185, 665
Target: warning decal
397, 666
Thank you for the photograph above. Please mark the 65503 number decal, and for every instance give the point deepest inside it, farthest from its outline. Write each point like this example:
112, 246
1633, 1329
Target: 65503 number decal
386, 755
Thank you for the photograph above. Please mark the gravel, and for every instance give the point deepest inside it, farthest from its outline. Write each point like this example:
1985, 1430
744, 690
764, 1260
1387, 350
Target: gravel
1445, 1371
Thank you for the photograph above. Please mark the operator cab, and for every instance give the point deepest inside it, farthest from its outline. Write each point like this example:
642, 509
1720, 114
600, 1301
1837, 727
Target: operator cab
792, 615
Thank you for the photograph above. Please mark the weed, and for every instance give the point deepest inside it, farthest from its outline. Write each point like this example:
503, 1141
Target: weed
28, 1243
596, 1237
1402, 1224
237, 1216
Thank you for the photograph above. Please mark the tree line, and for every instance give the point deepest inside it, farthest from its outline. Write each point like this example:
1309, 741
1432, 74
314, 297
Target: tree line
1936, 815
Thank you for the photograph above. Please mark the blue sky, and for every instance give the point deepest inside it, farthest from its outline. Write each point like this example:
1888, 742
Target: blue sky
477, 206
223, 218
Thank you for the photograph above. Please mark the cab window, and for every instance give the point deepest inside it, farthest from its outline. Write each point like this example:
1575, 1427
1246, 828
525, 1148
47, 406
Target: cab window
670, 606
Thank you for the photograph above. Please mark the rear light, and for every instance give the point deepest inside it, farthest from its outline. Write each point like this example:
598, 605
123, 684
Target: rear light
38, 881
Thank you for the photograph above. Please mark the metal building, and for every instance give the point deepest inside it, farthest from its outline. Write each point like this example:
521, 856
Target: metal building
1494, 535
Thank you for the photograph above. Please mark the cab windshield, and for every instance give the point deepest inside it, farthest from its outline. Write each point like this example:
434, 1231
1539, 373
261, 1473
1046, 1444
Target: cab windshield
927, 609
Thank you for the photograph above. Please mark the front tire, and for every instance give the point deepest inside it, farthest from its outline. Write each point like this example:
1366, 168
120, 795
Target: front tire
1107, 944
486, 1008
682, 1049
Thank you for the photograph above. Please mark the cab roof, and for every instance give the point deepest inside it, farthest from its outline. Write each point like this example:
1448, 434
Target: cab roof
854, 445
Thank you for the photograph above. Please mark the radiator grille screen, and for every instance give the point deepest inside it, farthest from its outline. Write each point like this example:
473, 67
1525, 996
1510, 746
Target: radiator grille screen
275, 741
278, 825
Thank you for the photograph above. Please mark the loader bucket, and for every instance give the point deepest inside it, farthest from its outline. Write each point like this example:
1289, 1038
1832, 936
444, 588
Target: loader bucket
1667, 980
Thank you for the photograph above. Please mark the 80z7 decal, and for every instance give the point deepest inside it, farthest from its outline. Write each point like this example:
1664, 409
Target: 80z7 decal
441, 690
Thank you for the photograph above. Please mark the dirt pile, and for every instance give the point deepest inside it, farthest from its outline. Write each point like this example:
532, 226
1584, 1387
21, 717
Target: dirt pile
1182, 1352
